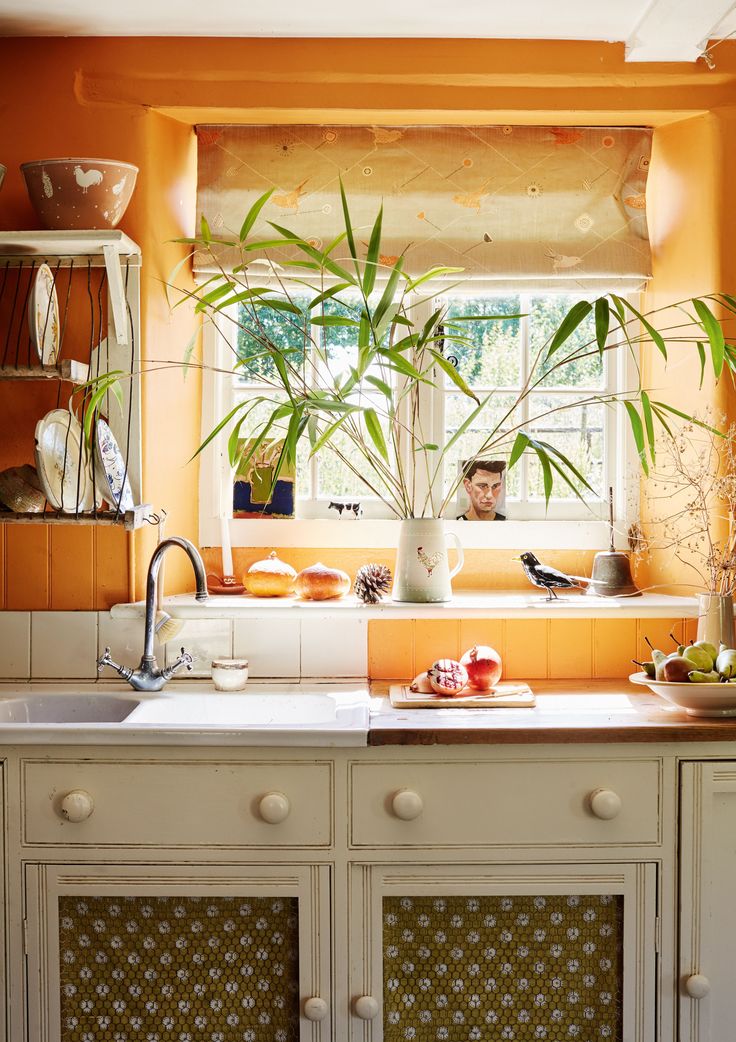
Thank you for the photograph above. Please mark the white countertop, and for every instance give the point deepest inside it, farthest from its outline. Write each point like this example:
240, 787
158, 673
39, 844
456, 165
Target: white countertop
276, 714
500, 604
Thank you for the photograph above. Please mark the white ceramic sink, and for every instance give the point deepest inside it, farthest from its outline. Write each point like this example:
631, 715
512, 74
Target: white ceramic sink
185, 714
66, 709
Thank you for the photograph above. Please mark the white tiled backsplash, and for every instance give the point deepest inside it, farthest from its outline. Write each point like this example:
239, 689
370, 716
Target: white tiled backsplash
64, 645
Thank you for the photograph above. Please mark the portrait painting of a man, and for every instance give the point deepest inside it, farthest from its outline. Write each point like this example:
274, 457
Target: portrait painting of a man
485, 488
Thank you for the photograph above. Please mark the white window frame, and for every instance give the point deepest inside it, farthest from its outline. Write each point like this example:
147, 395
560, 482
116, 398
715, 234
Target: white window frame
564, 526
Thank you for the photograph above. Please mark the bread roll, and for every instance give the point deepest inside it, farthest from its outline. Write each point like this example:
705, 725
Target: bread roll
270, 578
320, 583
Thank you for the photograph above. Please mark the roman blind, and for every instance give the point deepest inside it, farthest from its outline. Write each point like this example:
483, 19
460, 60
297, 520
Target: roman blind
562, 207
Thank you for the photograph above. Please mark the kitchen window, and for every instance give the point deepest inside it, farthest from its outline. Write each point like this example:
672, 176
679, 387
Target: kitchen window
498, 356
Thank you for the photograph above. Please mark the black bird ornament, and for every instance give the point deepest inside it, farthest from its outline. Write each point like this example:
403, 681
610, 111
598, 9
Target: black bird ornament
548, 578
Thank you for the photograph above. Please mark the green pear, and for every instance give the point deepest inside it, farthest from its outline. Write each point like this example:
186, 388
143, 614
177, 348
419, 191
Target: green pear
676, 669
648, 668
726, 663
699, 677
700, 658
707, 646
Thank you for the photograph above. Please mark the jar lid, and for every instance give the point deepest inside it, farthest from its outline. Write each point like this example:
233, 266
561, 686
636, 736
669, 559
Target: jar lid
229, 663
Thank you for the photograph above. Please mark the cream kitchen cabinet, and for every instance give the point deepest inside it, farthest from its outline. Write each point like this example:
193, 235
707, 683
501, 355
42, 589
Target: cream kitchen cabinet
707, 907
338, 895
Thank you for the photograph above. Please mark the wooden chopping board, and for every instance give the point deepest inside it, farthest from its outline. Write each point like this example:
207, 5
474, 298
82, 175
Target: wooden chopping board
503, 696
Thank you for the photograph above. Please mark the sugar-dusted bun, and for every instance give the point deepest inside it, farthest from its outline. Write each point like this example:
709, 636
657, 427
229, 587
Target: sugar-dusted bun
270, 578
320, 583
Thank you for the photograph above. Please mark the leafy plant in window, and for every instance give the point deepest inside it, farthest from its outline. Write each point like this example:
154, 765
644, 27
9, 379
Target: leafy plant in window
367, 411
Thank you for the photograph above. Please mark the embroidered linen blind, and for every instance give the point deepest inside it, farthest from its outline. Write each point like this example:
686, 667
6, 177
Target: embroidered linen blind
562, 207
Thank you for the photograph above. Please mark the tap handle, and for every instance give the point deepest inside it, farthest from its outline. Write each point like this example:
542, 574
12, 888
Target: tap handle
185, 659
105, 660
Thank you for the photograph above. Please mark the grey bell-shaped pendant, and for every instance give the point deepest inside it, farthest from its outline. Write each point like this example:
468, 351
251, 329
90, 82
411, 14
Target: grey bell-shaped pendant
612, 568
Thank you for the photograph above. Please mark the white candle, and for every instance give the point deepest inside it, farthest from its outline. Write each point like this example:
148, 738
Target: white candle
227, 556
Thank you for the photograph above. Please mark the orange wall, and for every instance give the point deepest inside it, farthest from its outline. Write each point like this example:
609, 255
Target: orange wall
137, 99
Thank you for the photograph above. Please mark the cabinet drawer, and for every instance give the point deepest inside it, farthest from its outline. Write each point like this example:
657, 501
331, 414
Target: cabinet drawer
514, 803
193, 804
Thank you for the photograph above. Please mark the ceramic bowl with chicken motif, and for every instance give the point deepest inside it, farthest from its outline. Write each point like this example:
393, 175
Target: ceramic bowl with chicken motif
79, 193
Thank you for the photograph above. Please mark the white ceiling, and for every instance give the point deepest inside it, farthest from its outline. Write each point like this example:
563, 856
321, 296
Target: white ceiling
653, 30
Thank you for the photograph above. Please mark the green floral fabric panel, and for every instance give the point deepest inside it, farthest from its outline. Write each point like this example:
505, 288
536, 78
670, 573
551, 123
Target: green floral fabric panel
525, 969
179, 969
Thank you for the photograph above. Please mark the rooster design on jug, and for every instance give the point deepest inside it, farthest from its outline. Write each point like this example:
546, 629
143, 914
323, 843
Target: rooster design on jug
430, 561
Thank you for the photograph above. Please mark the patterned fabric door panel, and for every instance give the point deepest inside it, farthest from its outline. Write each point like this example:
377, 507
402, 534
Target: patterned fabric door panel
179, 969
522, 968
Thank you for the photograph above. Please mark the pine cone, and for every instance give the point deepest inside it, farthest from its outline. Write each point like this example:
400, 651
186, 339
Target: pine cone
371, 582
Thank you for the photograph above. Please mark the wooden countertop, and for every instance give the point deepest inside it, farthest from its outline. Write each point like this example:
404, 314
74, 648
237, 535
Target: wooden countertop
567, 712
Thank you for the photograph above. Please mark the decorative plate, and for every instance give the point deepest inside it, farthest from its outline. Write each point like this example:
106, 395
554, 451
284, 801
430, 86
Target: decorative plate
111, 472
43, 316
714, 700
63, 463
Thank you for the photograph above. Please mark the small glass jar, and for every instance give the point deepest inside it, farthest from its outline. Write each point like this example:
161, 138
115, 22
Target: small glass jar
229, 674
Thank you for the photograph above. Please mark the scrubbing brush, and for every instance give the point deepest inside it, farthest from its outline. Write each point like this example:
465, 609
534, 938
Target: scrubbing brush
166, 628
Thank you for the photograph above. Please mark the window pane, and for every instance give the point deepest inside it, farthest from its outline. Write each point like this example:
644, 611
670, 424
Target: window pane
258, 324
457, 408
545, 315
492, 357
335, 476
578, 433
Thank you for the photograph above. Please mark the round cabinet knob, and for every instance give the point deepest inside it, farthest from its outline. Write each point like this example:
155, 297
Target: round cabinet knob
407, 804
274, 807
605, 804
366, 1007
697, 986
77, 805
315, 1009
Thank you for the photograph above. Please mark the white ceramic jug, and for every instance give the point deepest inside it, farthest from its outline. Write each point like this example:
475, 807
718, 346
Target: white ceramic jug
422, 572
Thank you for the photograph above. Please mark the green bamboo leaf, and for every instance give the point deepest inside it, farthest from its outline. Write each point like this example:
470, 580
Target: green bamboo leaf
188, 351
205, 229
206, 299
222, 424
690, 419
433, 273
429, 447
658, 413
544, 463
602, 322
170, 283
577, 313
521, 444
646, 409
654, 335
701, 356
387, 299
448, 368
483, 318
467, 422
714, 332
319, 258
252, 215
373, 426
334, 320
552, 451
398, 364
278, 305
326, 435
638, 431
374, 252
348, 223
328, 294
269, 244
381, 385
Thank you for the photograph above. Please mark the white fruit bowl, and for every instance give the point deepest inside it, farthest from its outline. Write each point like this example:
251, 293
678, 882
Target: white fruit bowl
695, 699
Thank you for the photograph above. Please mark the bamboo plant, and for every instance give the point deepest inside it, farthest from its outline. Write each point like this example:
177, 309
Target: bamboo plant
374, 405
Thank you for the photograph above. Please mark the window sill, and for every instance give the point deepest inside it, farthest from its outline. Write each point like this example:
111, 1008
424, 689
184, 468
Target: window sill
352, 534
500, 604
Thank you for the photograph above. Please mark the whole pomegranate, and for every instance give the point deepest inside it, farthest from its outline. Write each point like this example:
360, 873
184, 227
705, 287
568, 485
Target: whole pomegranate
483, 666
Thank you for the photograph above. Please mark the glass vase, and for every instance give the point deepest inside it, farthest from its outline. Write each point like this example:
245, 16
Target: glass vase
715, 618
